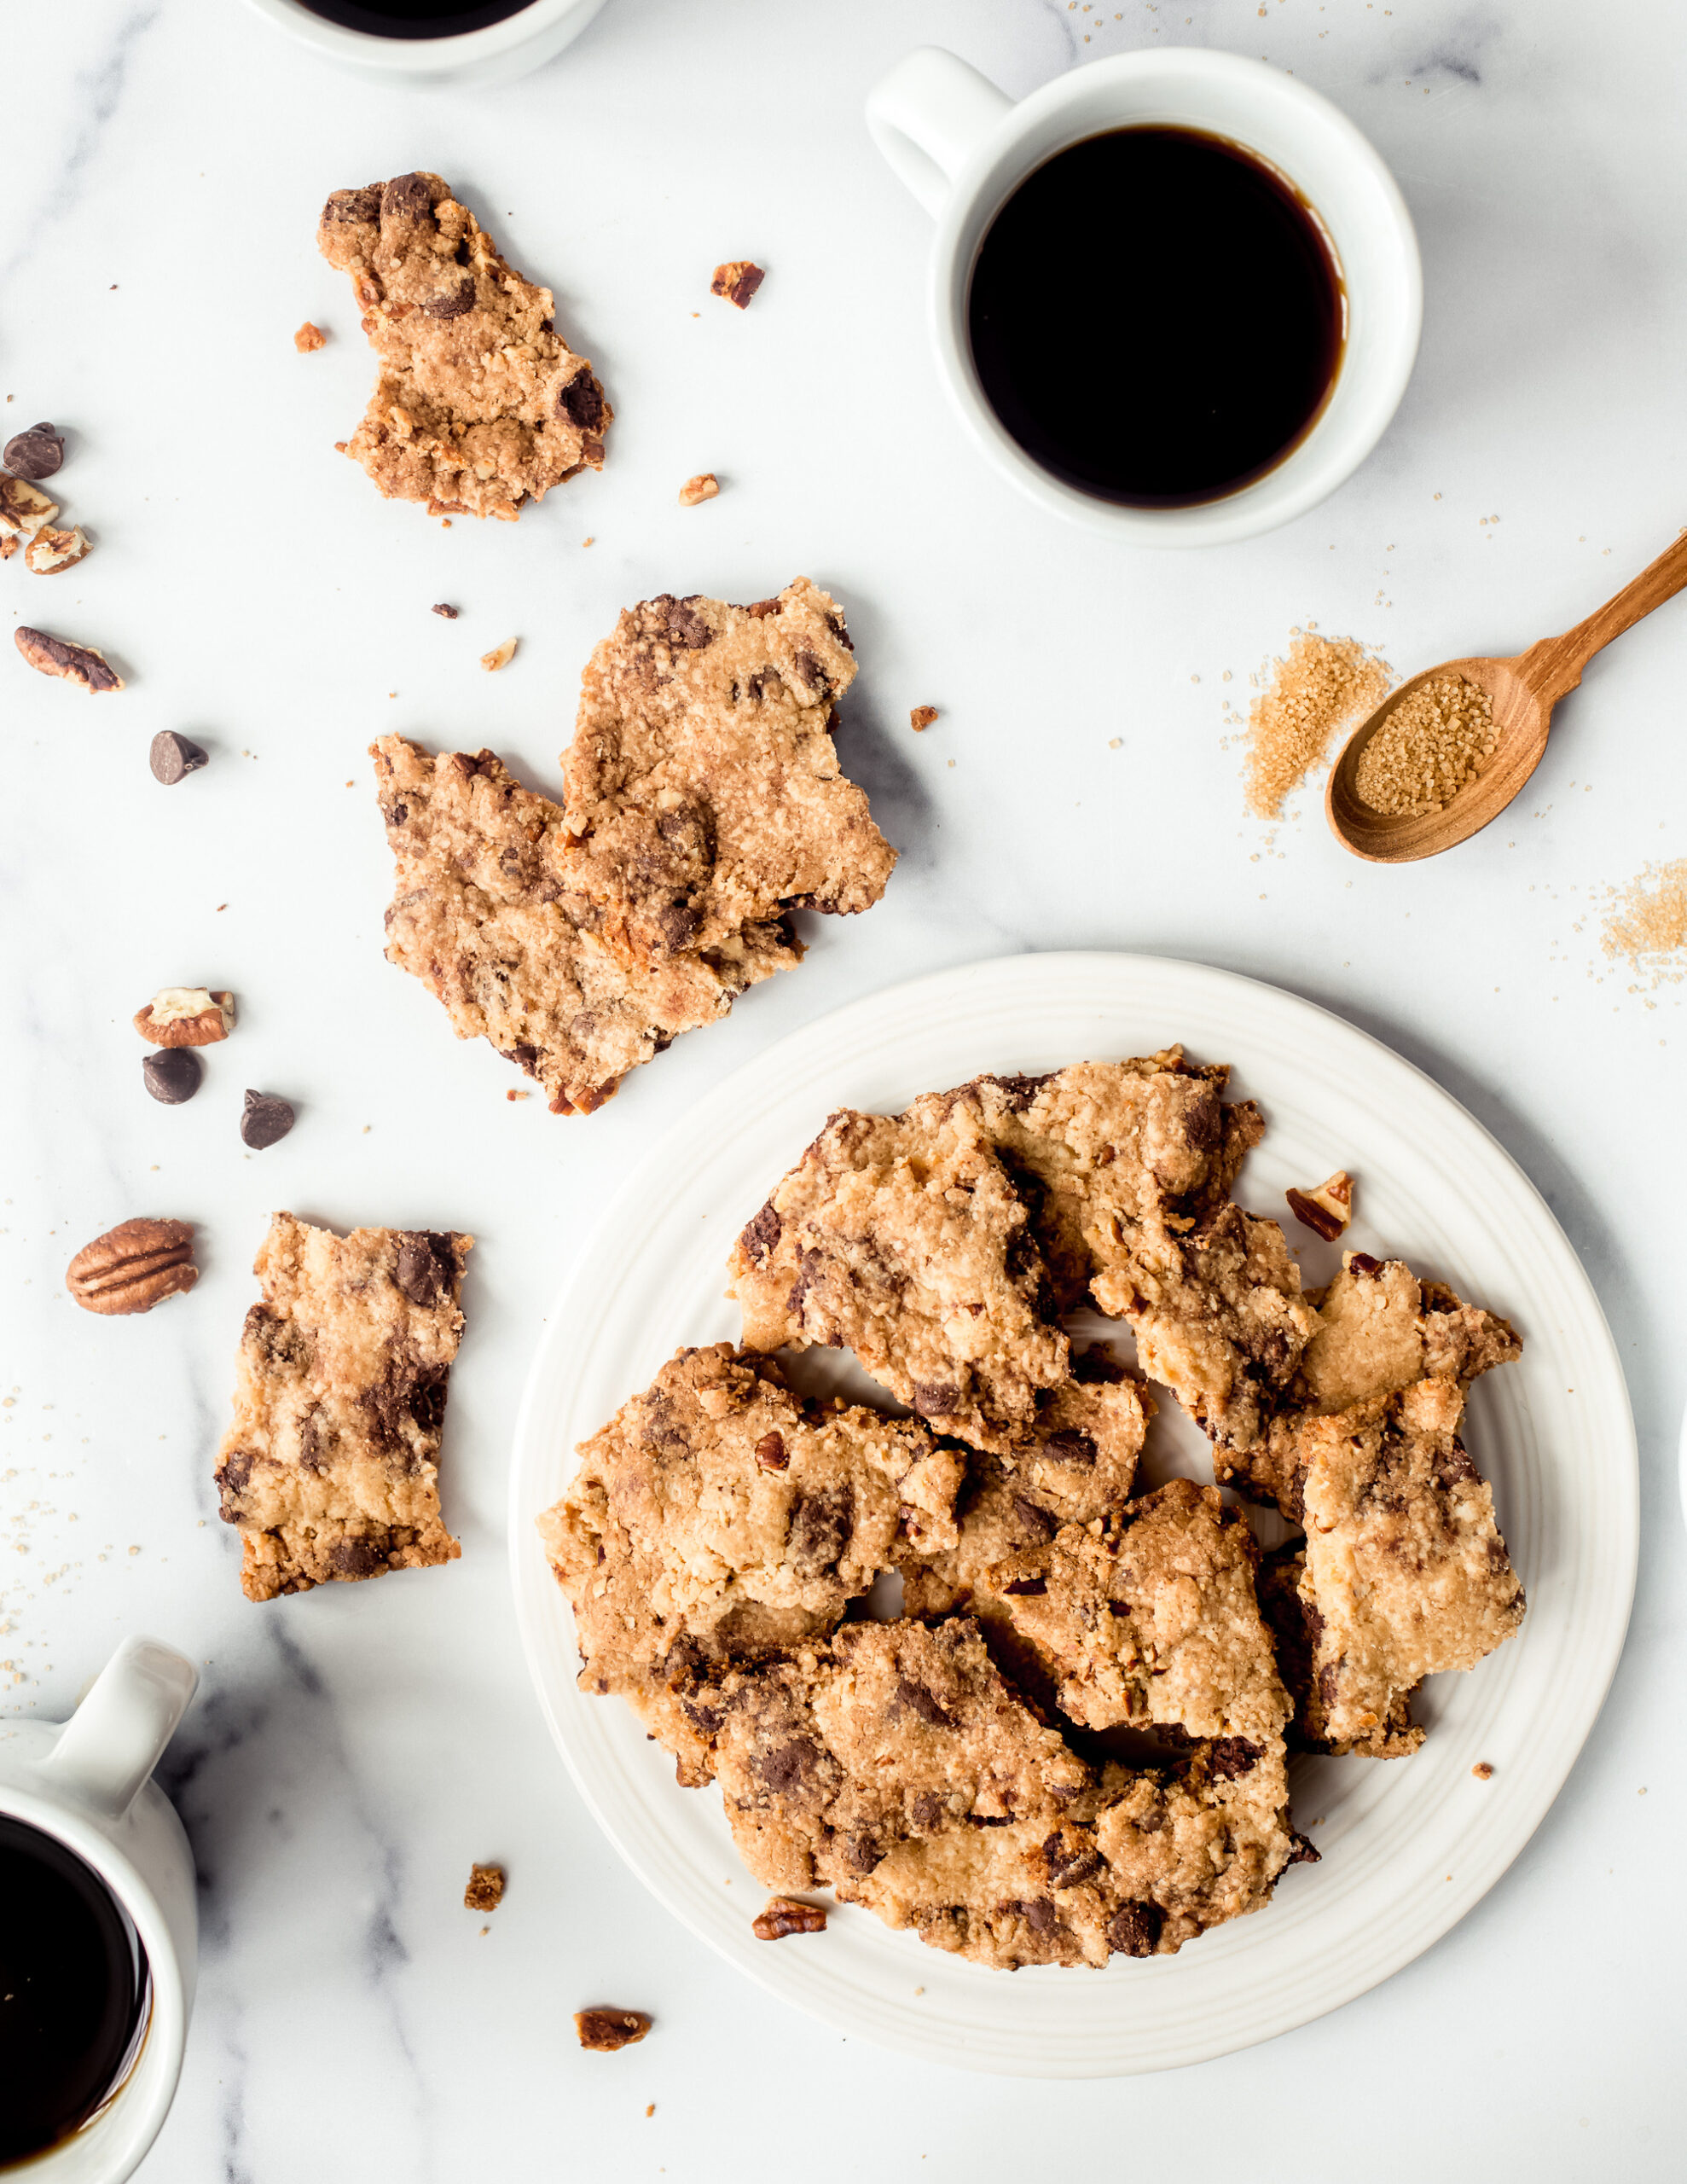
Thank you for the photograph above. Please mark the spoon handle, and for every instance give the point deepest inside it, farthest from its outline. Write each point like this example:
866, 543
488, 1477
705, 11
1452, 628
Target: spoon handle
1555, 665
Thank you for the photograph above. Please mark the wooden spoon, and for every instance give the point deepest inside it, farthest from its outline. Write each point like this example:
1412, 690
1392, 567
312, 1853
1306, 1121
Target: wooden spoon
1524, 690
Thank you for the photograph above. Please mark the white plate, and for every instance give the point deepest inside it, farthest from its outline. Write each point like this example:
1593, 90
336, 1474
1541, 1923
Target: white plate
1408, 1845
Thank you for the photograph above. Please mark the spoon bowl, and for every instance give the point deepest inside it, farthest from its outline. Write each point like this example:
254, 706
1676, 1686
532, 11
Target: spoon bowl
1523, 689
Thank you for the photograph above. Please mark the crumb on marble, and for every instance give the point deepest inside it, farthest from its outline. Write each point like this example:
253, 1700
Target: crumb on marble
603, 2030
309, 337
485, 1889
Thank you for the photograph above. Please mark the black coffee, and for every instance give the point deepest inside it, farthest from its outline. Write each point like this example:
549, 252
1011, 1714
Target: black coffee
416, 17
74, 1992
1155, 316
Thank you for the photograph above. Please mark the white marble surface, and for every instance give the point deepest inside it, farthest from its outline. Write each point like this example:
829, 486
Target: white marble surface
354, 1749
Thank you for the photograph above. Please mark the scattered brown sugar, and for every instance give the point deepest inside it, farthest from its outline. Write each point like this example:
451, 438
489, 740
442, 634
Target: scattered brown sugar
922, 716
485, 1889
308, 338
1430, 746
1325, 684
1647, 921
605, 2030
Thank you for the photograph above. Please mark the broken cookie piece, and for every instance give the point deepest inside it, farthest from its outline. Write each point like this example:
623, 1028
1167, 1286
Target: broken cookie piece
484, 914
738, 279
903, 1239
485, 1889
480, 405
702, 787
329, 1467
718, 1515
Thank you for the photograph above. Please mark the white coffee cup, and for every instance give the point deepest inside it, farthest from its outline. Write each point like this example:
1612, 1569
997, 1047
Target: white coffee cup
86, 1782
963, 148
471, 61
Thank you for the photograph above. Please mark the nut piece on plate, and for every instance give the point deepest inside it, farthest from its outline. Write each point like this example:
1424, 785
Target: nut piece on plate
186, 1016
36, 453
309, 337
51, 550
788, 1914
738, 281
703, 487
172, 757
82, 665
605, 2030
922, 716
171, 1075
1326, 1211
22, 508
485, 1889
264, 1120
133, 1267
500, 656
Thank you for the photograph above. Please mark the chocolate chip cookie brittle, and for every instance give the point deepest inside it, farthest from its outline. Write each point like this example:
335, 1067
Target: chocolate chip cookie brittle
328, 1468
482, 914
703, 788
480, 405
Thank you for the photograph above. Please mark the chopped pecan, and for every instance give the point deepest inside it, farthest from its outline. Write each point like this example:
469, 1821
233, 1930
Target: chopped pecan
88, 669
1327, 1210
738, 281
134, 1266
186, 1016
788, 1914
703, 487
770, 1452
500, 656
23, 509
922, 716
605, 2030
51, 550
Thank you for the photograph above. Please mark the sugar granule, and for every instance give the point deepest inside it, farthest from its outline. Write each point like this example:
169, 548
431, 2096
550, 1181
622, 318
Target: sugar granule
1325, 684
1430, 746
1647, 921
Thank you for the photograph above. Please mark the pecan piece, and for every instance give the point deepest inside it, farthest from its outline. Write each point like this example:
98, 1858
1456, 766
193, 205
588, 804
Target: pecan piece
500, 656
309, 337
51, 550
788, 1914
133, 1267
921, 718
186, 1016
605, 2030
703, 487
23, 509
485, 1889
771, 1453
88, 669
1327, 1210
738, 281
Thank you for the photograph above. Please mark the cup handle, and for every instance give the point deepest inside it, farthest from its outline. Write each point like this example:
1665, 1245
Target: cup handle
117, 1735
929, 116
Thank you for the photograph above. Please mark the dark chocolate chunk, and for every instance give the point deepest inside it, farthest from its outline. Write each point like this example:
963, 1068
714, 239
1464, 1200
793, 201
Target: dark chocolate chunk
1135, 1928
449, 613
172, 757
581, 402
453, 306
265, 1120
407, 197
172, 1074
427, 1263
35, 454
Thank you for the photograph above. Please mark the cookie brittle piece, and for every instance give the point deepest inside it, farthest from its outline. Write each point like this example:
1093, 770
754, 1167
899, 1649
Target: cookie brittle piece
480, 405
831, 1756
1151, 1621
1379, 1329
718, 1515
904, 1239
703, 785
1405, 1572
329, 1467
482, 915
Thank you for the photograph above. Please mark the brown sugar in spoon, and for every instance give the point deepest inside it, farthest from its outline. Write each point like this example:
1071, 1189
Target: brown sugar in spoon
1523, 691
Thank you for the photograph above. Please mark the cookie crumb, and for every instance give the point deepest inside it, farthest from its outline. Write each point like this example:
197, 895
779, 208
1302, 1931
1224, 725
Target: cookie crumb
738, 279
500, 656
309, 337
485, 1889
1482, 1771
788, 1914
703, 487
650, 2108
1116, 743
449, 613
588, 542
922, 717
517, 1096
605, 2030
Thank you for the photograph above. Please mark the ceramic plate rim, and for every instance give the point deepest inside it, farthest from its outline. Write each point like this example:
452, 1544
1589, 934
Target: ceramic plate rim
634, 1823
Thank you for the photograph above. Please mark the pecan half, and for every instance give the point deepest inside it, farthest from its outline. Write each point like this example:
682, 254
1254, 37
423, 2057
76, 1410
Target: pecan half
23, 507
51, 550
788, 1914
605, 2030
186, 1016
1327, 1210
88, 669
133, 1267
738, 281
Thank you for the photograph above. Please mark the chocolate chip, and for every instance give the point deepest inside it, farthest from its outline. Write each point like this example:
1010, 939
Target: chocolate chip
172, 1074
789, 1766
1306, 1853
355, 1558
1025, 1588
1135, 1928
407, 197
581, 402
681, 624
1071, 1447
449, 613
172, 757
353, 207
677, 924
427, 1264
265, 1121
1036, 1518
820, 1527
761, 1235
1067, 1868
935, 1398
453, 306
929, 1707
35, 454
1229, 1758
811, 671
1362, 1262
